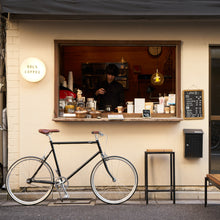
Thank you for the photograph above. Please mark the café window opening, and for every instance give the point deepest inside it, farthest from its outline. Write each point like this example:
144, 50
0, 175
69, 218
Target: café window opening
148, 72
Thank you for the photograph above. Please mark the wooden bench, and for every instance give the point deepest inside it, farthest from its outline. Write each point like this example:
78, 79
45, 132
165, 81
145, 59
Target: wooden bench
214, 179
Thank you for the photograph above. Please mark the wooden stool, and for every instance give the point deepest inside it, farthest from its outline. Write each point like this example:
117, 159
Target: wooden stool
172, 172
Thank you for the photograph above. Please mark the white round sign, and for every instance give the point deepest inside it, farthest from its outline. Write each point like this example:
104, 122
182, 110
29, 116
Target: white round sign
32, 69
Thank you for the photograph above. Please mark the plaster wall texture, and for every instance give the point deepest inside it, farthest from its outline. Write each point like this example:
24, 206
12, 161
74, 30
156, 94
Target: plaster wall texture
31, 105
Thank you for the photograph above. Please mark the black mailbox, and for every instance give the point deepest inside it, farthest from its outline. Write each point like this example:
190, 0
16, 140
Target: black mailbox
193, 142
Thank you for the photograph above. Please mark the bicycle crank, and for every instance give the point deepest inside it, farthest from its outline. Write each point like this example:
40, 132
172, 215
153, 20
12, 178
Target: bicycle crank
62, 184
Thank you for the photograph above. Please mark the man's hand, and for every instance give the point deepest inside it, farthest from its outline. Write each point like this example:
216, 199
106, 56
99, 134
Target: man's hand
100, 91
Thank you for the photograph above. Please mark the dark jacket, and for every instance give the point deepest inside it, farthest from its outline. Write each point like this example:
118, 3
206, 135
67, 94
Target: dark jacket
113, 96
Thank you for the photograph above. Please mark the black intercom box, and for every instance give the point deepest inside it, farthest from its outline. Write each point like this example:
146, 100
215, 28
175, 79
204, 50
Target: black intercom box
193, 142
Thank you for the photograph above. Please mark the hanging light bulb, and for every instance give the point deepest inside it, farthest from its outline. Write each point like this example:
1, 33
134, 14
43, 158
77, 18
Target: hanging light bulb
157, 78
123, 60
122, 63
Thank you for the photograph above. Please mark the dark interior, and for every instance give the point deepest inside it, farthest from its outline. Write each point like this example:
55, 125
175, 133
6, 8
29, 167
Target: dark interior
136, 66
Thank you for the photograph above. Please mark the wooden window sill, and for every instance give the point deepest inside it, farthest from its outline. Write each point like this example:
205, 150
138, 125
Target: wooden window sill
127, 117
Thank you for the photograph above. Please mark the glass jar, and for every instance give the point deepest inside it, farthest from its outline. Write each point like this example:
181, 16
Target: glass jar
167, 109
61, 107
80, 106
90, 104
172, 109
70, 106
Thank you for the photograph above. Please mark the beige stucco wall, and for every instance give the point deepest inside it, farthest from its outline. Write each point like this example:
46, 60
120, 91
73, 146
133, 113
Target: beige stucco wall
30, 105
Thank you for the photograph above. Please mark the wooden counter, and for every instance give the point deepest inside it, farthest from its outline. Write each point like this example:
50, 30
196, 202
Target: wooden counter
136, 117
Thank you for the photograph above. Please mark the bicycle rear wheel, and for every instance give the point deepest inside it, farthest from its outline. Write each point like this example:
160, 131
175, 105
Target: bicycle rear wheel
26, 192
114, 191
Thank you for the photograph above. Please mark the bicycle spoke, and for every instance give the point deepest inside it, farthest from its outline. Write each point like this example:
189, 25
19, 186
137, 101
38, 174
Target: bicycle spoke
24, 192
114, 192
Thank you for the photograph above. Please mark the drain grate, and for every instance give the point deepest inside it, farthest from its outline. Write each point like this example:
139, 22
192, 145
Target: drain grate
73, 201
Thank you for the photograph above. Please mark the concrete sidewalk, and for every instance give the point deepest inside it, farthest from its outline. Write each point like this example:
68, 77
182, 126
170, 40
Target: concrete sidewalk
131, 210
94, 202
87, 197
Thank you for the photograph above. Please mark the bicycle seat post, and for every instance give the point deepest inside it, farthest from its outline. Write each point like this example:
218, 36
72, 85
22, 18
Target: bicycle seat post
96, 137
48, 135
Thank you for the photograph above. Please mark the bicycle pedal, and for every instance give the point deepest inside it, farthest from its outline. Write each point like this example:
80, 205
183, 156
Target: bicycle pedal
66, 196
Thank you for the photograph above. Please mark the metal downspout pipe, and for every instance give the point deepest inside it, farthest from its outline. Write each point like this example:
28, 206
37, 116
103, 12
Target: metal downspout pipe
5, 145
3, 111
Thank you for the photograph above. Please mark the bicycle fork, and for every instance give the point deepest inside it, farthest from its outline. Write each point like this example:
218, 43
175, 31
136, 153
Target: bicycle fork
104, 158
107, 169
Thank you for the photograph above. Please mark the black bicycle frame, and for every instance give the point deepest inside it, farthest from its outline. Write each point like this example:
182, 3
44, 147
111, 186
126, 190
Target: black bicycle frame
78, 169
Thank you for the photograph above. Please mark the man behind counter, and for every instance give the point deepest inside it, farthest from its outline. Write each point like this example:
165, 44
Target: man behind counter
110, 92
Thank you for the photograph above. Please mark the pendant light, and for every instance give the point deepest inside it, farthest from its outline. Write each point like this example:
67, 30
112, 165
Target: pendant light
157, 79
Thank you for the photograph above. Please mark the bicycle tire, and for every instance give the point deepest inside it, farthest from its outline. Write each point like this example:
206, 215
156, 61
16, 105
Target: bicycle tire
29, 193
105, 188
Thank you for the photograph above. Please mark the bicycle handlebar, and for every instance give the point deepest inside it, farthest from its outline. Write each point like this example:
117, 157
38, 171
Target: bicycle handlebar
97, 132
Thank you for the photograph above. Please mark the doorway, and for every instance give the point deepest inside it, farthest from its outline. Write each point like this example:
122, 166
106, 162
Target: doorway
214, 119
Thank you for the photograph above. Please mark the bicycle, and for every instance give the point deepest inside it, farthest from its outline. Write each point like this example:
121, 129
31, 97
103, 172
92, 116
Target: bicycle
113, 179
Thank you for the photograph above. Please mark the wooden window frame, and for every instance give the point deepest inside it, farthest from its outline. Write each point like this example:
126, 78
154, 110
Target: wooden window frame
59, 43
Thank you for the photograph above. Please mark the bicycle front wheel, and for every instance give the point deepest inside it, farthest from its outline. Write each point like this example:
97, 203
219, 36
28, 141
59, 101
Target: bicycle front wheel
114, 181
18, 183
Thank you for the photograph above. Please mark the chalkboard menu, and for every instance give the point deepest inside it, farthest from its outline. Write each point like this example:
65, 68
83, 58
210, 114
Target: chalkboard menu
193, 104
